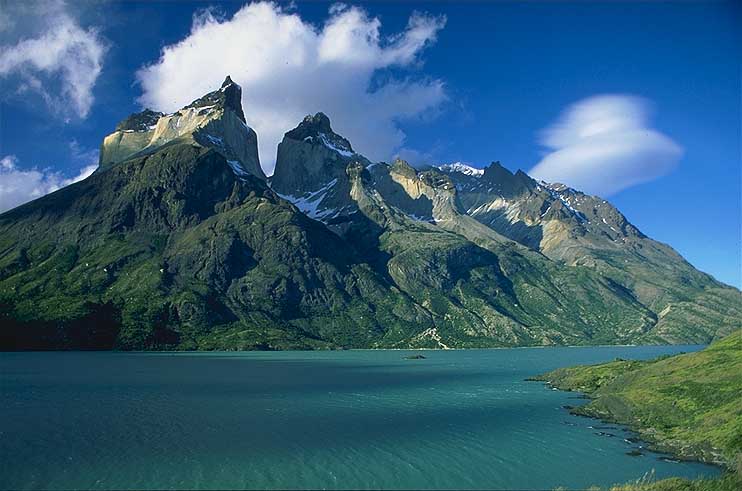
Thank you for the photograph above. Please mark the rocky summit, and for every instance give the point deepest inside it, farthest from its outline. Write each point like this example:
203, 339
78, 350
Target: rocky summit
216, 120
179, 241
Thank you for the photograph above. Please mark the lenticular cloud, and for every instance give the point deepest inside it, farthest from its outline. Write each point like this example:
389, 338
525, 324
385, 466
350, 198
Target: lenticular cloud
604, 144
289, 68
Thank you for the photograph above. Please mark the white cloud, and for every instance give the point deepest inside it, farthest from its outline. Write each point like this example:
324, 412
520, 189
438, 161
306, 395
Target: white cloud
62, 63
604, 144
289, 68
18, 186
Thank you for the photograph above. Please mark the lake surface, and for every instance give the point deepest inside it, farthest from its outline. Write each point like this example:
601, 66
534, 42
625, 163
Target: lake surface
337, 420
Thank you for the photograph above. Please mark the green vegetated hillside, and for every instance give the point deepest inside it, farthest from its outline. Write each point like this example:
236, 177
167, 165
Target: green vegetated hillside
689, 404
179, 241
727, 482
169, 250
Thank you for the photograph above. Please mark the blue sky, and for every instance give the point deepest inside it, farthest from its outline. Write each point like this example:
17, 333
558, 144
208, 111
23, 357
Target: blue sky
488, 80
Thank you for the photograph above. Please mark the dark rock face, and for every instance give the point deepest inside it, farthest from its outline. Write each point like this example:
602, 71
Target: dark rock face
506, 184
139, 121
310, 156
316, 129
312, 171
228, 96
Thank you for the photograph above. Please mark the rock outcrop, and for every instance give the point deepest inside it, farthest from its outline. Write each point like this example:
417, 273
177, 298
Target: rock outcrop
216, 120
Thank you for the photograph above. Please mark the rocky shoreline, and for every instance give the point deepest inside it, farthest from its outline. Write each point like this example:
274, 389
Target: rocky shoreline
680, 450
655, 442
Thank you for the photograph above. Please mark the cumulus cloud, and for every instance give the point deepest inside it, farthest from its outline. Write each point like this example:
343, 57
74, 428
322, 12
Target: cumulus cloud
289, 68
604, 144
61, 62
17, 186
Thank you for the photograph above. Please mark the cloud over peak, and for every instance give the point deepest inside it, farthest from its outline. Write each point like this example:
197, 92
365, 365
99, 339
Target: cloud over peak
289, 68
604, 144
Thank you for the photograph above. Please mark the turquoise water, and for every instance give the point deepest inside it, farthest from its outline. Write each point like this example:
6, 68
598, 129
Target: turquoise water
352, 419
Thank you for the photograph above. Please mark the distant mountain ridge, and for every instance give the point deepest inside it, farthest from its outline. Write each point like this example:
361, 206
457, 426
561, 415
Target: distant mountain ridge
179, 241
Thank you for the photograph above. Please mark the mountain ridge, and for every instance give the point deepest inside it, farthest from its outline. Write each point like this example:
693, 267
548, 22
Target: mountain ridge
218, 112
179, 241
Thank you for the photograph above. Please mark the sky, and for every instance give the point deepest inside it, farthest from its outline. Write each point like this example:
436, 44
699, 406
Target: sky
638, 102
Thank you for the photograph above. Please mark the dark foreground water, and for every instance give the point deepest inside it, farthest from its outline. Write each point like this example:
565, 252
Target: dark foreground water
354, 419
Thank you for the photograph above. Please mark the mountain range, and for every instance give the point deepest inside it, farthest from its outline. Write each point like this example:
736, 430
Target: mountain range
180, 241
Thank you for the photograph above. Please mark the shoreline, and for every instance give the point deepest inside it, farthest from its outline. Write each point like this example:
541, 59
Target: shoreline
652, 444
360, 349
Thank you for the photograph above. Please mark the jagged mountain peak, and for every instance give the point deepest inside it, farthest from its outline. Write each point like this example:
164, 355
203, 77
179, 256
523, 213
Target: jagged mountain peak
403, 167
311, 125
312, 169
317, 130
320, 121
311, 156
215, 120
228, 96
494, 179
496, 170
553, 218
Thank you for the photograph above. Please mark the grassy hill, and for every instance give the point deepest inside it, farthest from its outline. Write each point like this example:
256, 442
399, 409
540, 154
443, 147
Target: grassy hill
689, 405
728, 482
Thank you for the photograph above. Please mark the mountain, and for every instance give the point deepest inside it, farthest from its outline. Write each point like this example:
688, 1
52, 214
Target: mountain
576, 229
311, 167
179, 241
215, 120
686, 404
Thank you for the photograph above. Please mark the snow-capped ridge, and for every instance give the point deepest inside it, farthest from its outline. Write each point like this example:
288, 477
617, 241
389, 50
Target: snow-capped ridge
462, 168
317, 130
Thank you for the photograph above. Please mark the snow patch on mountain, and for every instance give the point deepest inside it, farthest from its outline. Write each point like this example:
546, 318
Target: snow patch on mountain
309, 203
237, 168
462, 168
324, 140
215, 140
510, 209
564, 194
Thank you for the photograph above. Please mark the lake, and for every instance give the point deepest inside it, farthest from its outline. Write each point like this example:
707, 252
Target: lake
335, 420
